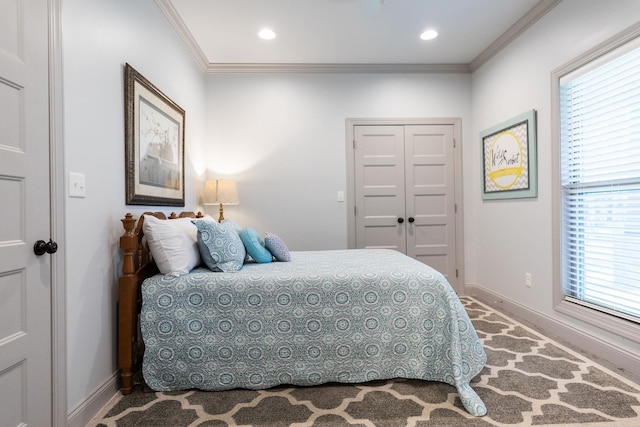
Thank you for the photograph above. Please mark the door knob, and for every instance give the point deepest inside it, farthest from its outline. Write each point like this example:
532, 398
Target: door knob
411, 219
41, 247
400, 220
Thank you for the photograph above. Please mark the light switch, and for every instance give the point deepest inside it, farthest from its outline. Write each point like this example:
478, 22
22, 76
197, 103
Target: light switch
341, 196
77, 186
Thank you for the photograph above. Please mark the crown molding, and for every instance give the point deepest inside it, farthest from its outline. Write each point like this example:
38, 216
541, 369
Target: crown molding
226, 68
527, 20
179, 26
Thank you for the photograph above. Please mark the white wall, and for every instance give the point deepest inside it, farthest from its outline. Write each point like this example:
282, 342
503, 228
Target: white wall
99, 37
283, 137
512, 237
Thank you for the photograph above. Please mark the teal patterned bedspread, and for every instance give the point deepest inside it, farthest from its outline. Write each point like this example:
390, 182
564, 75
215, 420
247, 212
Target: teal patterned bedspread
326, 316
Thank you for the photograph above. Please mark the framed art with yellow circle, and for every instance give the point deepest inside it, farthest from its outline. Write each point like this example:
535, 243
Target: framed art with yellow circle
509, 159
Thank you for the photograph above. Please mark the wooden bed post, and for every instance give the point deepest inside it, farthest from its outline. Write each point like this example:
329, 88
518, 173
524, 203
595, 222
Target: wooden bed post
127, 304
137, 265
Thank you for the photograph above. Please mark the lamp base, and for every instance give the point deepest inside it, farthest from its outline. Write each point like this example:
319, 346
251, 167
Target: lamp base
221, 217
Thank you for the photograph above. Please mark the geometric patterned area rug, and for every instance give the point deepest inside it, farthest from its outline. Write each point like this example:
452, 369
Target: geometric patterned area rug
529, 380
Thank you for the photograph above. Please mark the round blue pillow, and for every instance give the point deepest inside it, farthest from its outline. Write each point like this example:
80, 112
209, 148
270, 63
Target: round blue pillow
254, 245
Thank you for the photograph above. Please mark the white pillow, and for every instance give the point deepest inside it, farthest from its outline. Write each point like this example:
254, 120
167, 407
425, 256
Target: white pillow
173, 243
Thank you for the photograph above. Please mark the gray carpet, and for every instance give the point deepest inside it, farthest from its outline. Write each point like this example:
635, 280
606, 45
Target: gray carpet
529, 380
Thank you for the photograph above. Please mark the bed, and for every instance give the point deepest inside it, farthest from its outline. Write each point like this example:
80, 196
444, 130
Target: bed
347, 316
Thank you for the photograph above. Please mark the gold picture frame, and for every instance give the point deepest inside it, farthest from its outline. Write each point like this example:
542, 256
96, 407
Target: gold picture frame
154, 144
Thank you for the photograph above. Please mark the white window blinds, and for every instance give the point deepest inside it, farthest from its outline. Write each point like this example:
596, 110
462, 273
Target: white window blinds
600, 180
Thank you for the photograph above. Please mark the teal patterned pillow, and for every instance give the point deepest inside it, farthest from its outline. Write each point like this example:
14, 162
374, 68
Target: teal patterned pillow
255, 245
276, 246
220, 246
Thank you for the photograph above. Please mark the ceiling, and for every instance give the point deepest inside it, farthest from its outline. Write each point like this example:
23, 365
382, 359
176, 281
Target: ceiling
349, 35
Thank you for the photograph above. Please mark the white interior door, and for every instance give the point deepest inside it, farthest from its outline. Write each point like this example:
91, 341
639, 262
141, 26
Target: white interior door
25, 279
430, 190
379, 180
404, 191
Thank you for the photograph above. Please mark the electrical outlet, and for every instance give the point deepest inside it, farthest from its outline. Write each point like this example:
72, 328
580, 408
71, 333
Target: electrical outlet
527, 280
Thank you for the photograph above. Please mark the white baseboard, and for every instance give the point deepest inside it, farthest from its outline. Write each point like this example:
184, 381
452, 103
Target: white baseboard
86, 410
609, 354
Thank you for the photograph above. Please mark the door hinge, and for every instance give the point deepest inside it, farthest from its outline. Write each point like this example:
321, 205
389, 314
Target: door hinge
454, 143
455, 208
456, 272
354, 144
355, 211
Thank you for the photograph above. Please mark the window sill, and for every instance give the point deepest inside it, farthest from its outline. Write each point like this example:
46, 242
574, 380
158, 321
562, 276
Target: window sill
607, 322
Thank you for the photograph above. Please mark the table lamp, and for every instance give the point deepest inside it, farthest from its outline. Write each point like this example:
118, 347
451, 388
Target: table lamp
220, 192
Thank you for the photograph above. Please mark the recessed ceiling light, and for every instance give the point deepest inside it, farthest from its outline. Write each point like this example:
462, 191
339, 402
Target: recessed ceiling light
429, 35
267, 34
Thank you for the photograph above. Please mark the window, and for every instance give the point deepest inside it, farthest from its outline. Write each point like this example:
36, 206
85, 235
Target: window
599, 183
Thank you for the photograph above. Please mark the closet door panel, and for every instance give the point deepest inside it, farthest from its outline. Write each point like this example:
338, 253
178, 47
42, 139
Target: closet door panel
430, 195
380, 187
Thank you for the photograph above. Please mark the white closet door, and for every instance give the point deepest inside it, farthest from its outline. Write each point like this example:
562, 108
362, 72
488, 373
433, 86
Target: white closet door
404, 177
25, 279
380, 187
430, 201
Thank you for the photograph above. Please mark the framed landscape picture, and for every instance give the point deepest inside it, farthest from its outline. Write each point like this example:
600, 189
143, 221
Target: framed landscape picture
509, 168
154, 144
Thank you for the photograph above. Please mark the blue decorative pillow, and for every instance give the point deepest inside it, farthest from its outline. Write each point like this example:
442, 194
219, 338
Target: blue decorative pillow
255, 246
231, 223
276, 246
220, 246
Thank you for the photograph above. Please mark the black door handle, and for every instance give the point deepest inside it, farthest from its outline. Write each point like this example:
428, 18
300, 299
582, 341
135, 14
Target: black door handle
411, 219
400, 220
41, 247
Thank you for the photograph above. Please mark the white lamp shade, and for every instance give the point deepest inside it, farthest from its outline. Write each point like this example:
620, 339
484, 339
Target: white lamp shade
220, 191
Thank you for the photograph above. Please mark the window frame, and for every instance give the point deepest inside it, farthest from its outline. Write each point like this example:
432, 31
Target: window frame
589, 314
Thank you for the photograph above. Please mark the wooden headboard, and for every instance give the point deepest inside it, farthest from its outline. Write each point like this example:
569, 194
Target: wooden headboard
137, 265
